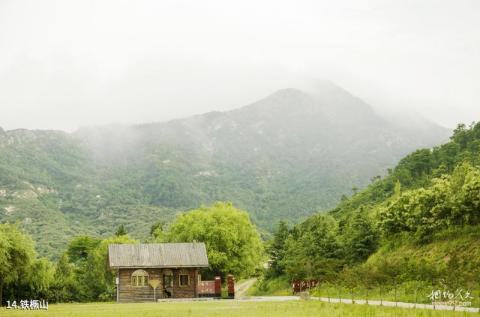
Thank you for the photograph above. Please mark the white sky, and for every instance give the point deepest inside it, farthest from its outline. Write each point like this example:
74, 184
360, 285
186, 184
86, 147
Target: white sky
65, 64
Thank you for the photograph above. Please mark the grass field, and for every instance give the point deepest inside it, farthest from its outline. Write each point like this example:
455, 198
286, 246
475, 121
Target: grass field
226, 308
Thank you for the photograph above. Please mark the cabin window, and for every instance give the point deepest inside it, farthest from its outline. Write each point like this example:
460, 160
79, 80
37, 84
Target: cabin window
139, 278
184, 279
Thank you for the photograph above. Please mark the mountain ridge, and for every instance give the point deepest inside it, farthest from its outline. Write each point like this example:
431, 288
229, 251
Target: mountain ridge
283, 157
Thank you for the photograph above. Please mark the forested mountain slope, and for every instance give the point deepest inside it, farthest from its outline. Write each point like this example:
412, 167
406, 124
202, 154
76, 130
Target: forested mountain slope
417, 227
284, 157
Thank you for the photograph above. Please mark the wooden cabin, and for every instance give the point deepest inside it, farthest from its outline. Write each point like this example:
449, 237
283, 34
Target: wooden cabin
147, 272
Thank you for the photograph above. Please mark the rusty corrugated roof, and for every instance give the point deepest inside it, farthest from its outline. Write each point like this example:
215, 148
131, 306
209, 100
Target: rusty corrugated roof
158, 255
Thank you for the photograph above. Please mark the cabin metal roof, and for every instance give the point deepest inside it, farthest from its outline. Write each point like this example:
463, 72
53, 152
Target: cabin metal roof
157, 255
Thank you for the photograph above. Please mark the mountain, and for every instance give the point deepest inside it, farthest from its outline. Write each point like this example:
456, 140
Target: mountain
417, 228
283, 157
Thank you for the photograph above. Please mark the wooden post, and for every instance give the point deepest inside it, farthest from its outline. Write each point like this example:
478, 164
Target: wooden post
154, 284
218, 286
415, 306
195, 282
339, 294
231, 286
396, 304
117, 283
433, 290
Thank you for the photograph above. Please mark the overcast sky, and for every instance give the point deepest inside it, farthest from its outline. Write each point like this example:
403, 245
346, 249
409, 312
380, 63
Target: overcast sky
65, 64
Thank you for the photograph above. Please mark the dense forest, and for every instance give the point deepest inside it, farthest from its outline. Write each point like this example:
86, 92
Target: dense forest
415, 229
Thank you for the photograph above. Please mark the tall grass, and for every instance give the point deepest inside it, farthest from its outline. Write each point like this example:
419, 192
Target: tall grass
278, 286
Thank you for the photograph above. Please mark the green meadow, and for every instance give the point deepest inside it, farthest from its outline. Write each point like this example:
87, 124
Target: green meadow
226, 308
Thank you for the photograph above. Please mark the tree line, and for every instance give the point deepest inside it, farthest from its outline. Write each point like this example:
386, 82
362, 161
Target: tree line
81, 274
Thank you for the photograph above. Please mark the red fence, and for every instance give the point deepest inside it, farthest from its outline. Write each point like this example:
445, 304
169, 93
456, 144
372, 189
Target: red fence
206, 288
210, 288
303, 285
214, 288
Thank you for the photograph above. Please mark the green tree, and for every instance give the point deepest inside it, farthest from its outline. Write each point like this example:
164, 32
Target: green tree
65, 286
41, 277
121, 231
360, 238
313, 250
80, 247
461, 135
397, 191
449, 200
277, 249
232, 241
98, 280
157, 230
16, 256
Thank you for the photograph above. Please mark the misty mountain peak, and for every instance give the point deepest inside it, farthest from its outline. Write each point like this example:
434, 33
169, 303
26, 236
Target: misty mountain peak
284, 98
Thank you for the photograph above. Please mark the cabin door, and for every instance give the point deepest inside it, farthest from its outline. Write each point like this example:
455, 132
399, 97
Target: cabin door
168, 283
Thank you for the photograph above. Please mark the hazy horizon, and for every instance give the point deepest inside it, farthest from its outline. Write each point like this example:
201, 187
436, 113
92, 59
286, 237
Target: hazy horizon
388, 114
68, 64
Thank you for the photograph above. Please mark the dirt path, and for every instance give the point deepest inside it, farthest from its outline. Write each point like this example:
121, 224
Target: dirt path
242, 288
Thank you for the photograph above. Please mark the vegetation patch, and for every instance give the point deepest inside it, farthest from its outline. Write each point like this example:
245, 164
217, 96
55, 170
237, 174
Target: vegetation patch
406, 235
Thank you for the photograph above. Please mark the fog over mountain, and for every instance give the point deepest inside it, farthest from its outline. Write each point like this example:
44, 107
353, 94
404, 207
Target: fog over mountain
285, 156
67, 64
